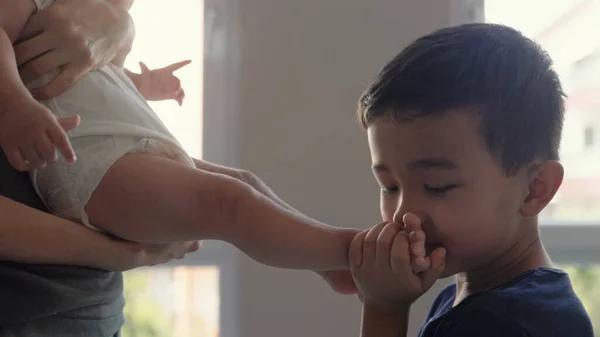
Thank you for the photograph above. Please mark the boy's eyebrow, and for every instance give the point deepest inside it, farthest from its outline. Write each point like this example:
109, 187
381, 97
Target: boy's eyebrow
432, 163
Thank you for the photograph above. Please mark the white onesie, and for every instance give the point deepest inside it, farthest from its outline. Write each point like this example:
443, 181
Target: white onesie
115, 120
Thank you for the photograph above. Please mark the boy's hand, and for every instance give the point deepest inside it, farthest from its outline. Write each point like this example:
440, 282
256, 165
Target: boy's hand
30, 136
161, 84
381, 267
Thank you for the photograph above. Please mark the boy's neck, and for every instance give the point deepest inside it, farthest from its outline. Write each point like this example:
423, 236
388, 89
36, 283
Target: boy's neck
529, 253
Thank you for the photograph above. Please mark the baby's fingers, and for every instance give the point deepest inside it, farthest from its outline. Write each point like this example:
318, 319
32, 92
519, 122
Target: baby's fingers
438, 263
60, 139
417, 243
15, 158
45, 148
421, 264
33, 159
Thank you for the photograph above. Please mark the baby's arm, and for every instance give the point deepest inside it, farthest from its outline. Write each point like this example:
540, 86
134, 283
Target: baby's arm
28, 131
13, 15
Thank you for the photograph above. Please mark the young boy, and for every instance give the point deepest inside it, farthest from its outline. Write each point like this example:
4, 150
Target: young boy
464, 128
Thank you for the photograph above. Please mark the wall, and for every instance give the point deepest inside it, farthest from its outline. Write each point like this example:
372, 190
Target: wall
282, 80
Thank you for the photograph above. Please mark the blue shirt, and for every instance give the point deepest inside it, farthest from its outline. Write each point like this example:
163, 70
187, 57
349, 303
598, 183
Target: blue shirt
538, 303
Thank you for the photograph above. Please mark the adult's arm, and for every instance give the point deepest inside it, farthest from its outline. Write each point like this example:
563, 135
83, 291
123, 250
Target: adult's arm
28, 235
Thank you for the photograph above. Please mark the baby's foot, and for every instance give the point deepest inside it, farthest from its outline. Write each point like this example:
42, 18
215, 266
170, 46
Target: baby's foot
416, 236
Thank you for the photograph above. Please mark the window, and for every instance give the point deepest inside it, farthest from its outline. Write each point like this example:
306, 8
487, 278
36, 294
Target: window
588, 137
180, 301
182, 298
168, 32
585, 279
567, 30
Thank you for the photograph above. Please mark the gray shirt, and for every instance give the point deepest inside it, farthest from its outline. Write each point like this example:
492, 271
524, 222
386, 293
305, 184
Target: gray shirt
52, 300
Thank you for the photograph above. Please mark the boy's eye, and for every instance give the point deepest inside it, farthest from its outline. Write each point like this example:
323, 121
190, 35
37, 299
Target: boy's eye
439, 191
389, 190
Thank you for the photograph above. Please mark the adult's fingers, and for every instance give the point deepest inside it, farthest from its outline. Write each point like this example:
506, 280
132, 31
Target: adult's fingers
36, 24
62, 82
43, 65
34, 47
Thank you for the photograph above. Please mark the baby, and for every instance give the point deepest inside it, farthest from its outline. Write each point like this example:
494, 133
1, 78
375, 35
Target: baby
132, 178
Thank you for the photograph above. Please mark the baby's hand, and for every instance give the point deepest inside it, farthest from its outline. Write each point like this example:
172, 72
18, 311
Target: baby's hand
31, 135
416, 237
383, 271
161, 84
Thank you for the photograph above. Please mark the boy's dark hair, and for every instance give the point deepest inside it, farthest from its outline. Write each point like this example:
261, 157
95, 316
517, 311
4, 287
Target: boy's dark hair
493, 71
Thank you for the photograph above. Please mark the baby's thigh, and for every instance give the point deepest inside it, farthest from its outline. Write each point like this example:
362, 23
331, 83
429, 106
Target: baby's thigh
67, 189
152, 197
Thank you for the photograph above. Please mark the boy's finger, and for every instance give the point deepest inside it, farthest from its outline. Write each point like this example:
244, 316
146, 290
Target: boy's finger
384, 243
355, 252
438, 262
400, 256
370, 245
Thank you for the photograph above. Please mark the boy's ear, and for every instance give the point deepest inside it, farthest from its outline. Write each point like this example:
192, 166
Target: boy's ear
544, 180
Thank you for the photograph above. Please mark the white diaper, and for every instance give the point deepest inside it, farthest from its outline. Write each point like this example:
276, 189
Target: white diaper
66, 189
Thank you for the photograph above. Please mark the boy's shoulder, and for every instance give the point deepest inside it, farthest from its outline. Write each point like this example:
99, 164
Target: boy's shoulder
539, 302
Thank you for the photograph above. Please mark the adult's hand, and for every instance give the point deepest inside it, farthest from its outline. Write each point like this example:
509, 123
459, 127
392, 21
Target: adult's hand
73, 37
340, 281
125, 255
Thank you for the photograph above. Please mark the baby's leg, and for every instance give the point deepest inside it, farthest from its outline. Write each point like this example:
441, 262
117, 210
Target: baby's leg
416, 236
147, 198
